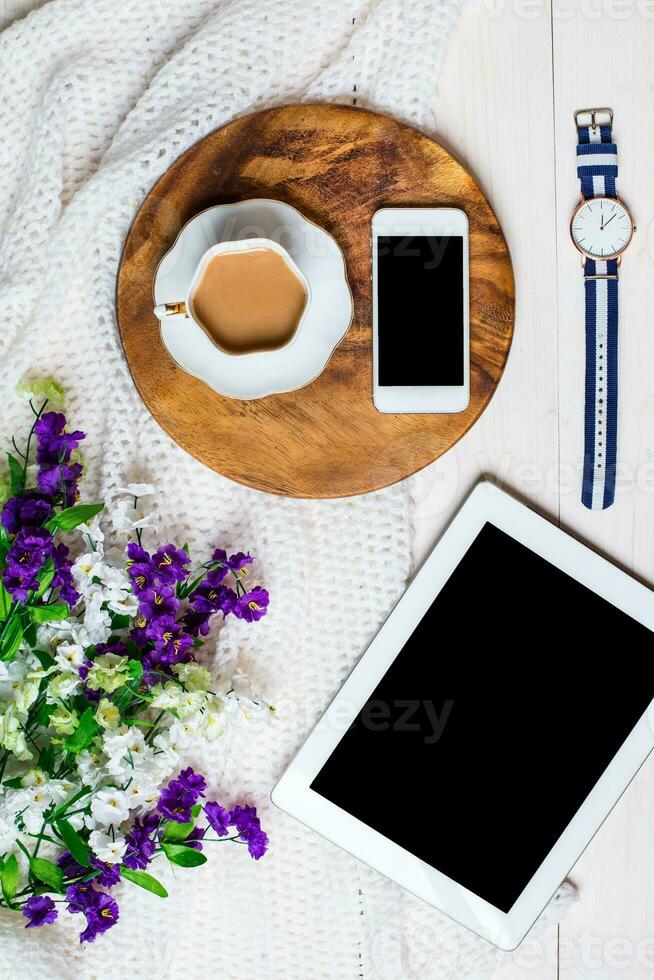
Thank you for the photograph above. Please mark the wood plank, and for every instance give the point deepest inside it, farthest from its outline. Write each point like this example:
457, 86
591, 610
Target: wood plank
494, 110
607, 60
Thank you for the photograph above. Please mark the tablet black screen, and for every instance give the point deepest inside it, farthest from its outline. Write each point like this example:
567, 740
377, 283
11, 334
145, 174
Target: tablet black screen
495, 720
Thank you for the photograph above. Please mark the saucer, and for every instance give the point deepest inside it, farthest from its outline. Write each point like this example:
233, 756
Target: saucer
325, 322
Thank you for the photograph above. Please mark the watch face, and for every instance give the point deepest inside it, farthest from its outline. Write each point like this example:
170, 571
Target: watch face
601, 227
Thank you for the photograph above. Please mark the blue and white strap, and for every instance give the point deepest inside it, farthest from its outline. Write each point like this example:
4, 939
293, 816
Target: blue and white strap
597, 169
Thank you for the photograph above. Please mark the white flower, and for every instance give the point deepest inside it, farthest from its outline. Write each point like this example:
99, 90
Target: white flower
97, 621
190, 703
127, 519
31, 803
109, 807
8, 835
166, 696
193, 676
126, 751
61, 687
138, 489
90, 767
93, 533
107, 848
167, 757
69, 657
143, 791
107, 714
214, 721
183, 734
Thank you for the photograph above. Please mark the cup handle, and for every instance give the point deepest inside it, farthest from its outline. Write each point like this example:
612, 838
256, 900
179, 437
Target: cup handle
170, 309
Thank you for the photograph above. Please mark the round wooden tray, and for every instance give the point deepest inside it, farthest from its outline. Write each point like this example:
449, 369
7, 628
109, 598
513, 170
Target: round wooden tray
337, 165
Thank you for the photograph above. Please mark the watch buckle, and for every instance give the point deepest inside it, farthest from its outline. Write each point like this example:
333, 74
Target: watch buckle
593, 113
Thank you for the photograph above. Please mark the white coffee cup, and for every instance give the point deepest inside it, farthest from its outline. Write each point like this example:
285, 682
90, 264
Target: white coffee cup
184, 307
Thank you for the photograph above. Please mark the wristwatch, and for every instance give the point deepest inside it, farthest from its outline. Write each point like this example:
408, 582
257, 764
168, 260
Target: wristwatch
601, 228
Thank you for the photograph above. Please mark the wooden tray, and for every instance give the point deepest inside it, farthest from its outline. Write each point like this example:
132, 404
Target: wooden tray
336, 164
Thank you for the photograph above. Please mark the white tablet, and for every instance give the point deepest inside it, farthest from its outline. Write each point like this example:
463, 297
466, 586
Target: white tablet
492, 723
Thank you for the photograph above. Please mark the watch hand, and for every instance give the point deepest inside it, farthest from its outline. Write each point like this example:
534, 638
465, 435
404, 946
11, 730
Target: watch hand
610, 219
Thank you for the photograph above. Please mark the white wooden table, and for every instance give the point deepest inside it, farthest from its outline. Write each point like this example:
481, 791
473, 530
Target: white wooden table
515, 71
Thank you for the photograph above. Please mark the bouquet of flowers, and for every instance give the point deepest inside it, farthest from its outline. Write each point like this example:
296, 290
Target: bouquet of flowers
101, 692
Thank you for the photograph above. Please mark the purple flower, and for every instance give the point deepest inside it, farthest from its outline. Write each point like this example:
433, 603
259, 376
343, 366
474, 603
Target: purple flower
61, 479
109, 873
193, 782
25, 559
218, 817
39, 910
206, 600
246, 821
80, 897
99, 917
28, 510
170, 563
159, 600
142, 575
251, 606
180, 796
63, 577
235, 562
100, 909
135, 553
54, 446
117, 647
171, 643
69, 865
140, 842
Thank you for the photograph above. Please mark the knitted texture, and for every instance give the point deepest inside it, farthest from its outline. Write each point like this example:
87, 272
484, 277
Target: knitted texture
98, 98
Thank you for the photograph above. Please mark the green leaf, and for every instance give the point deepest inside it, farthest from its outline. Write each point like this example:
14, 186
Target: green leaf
44, 658
196, 811
14, 783
47, 759
5, 602
122, 697
48, 873
135, 668
84, 734
119, 621
71, 517
144, 880
12, 639
43, 714
47, 614
29, 634
185, 857
9, 878
74, 842
16, 474
177, 831
46, 576
84, 791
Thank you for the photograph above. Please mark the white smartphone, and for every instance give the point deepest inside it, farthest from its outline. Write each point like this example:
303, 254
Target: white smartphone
420, 310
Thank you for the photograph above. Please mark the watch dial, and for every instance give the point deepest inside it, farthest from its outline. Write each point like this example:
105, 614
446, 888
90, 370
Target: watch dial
601, 227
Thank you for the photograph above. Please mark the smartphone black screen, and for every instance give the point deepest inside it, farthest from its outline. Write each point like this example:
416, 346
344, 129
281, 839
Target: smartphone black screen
420, 311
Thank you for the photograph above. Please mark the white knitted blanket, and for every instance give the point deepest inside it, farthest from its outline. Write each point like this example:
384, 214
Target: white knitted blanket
98, 97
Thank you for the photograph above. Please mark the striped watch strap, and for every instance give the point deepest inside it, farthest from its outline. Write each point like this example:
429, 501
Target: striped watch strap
597, 169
